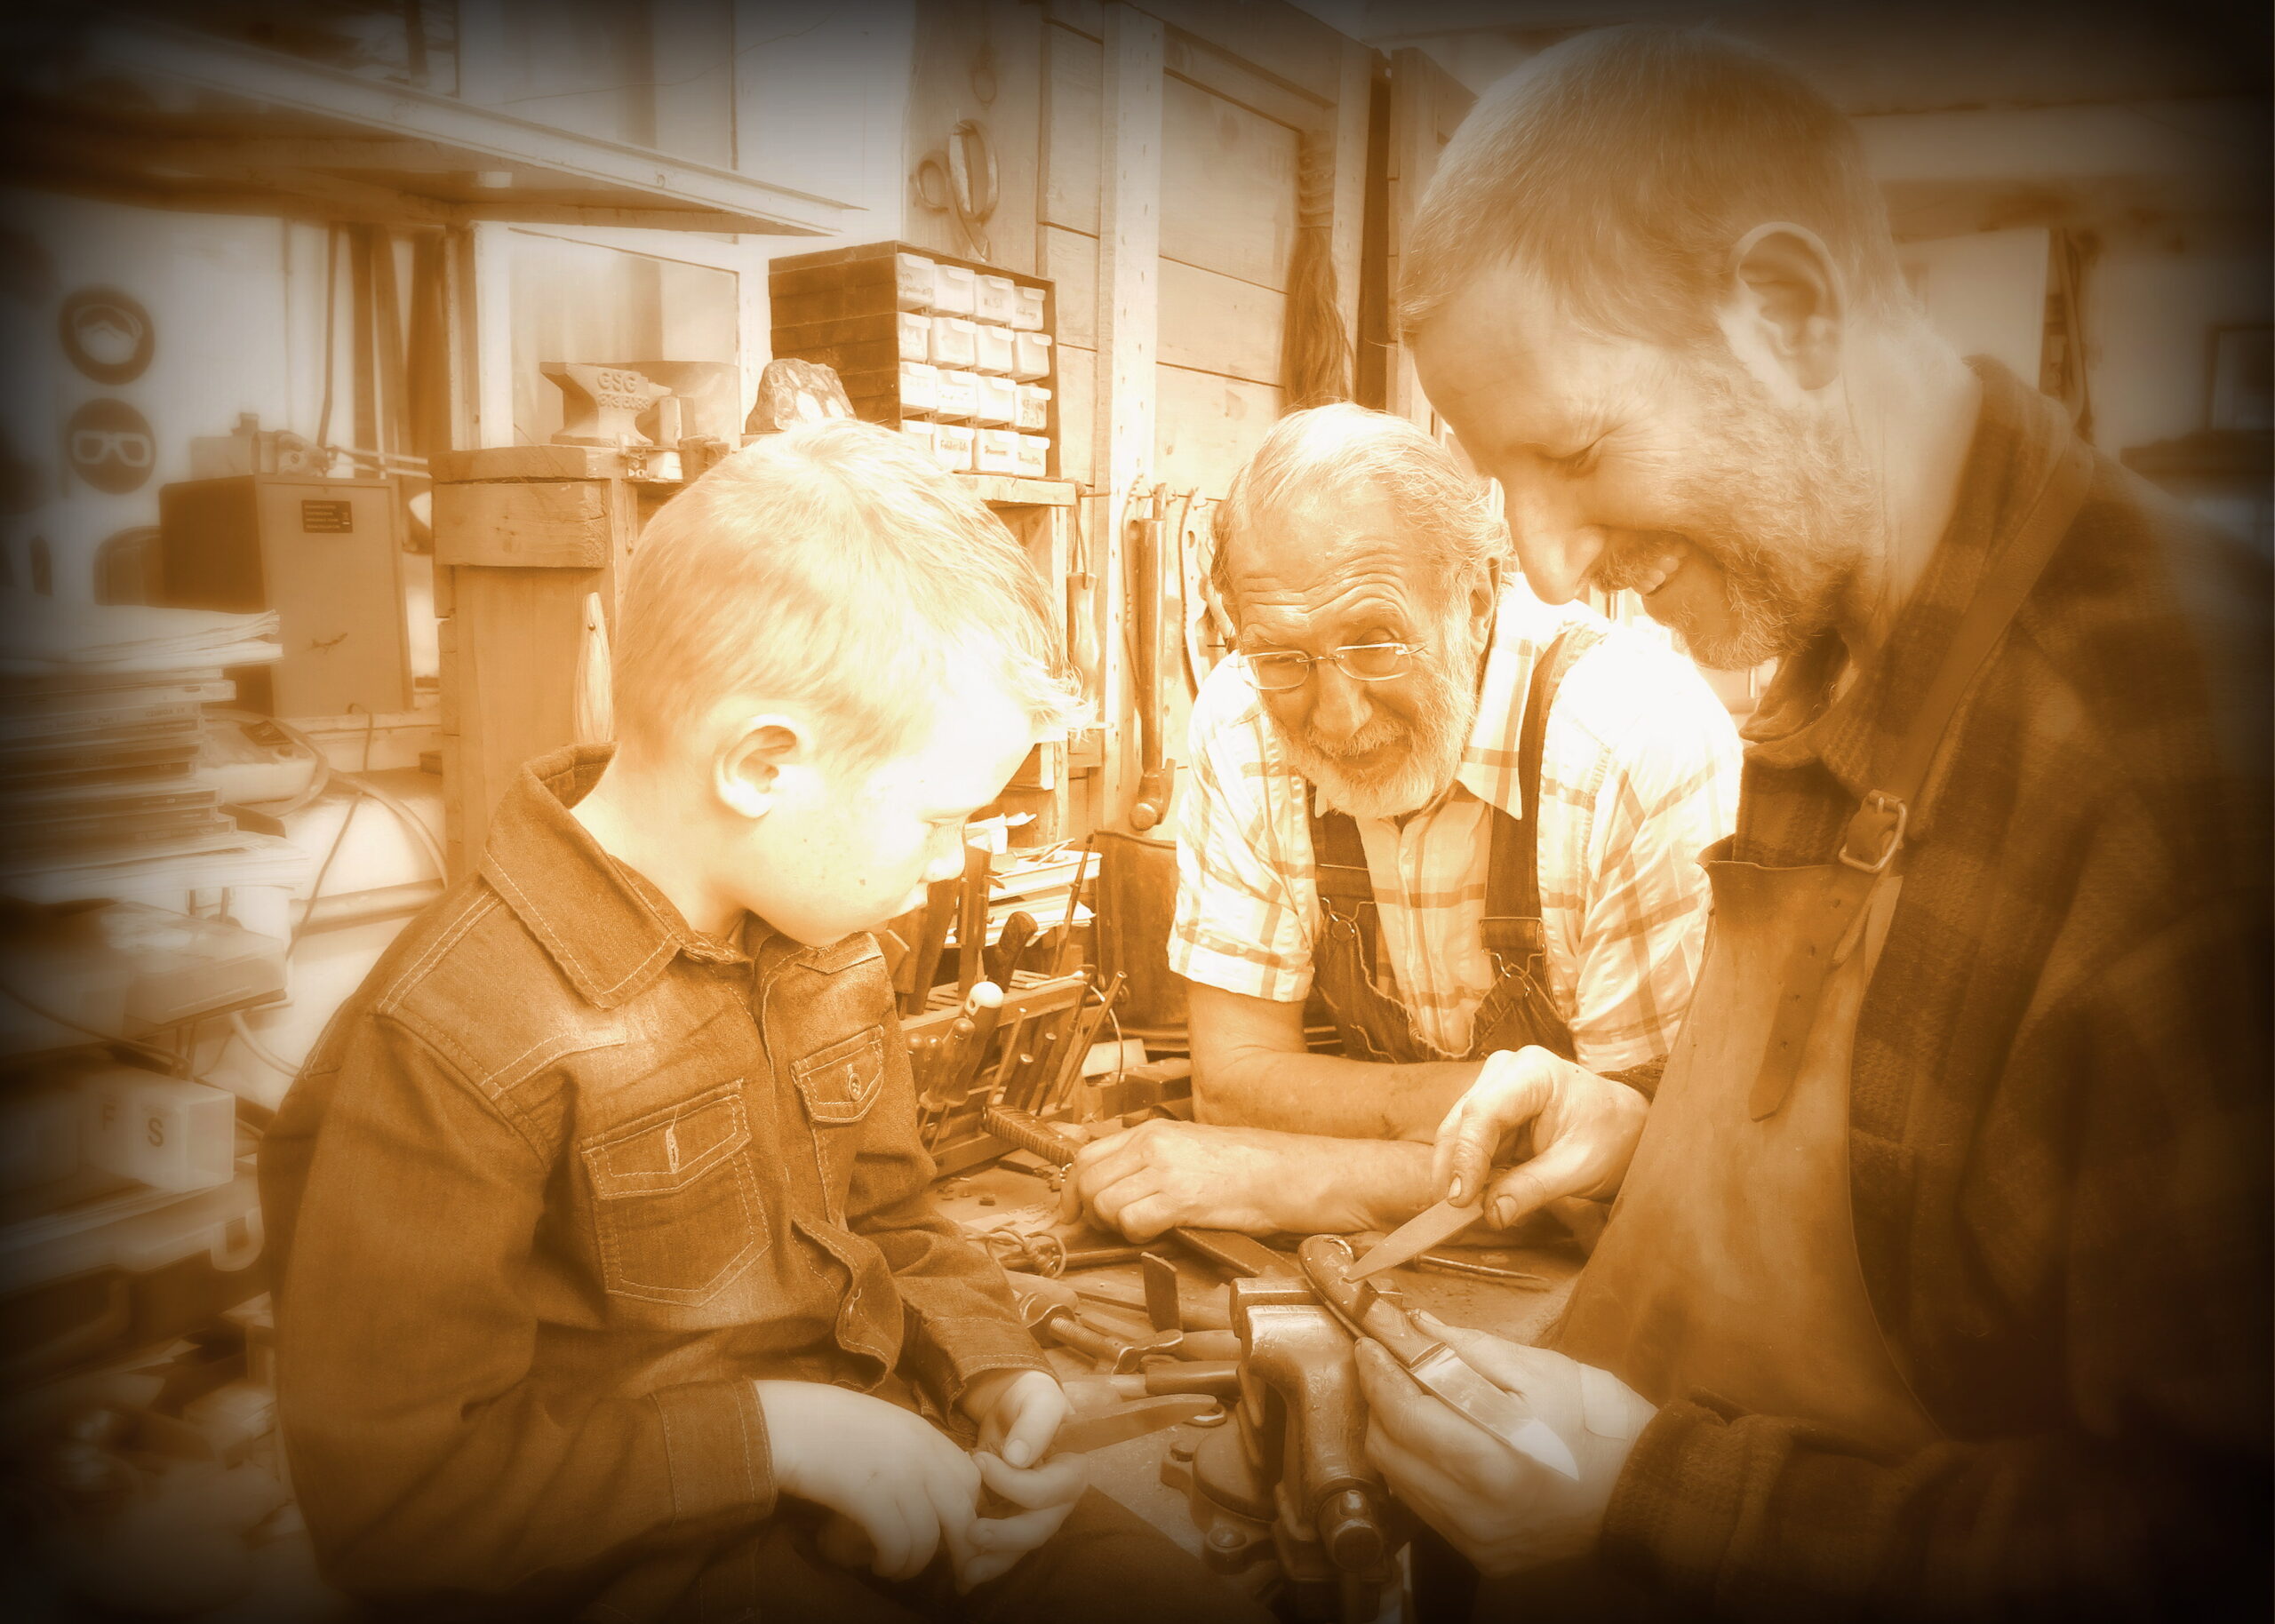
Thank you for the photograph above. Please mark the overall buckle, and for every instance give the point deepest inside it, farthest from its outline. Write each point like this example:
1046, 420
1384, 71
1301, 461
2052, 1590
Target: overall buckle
1881, 821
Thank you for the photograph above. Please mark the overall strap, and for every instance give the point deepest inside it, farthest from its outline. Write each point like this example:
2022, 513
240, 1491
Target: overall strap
1876, 833
1339, 858
1512, 873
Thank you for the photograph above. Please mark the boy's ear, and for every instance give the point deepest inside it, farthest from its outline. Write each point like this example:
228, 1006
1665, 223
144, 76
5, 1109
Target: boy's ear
746, 772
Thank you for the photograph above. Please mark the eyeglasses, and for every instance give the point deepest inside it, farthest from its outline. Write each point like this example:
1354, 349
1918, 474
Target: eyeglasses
1284, 669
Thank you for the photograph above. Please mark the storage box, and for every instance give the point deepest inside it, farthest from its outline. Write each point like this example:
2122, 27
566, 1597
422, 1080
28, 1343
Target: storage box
1031, 358
997, 451
169, 1134
920, 386
954, 342
849, 309
952, 444
921, 433
1034, 414
915, 278
955, 290
994, 299
39, 1136
995, 349
958, 395
1033, 453
998, 402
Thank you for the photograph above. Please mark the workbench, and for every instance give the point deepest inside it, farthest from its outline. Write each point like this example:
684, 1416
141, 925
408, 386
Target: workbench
1003, 1196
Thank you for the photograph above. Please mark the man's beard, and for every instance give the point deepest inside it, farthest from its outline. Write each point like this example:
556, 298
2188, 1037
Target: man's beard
1781, 502
1433, 733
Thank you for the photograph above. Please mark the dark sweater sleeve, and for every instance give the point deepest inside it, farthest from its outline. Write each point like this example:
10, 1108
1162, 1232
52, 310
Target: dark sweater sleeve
426, 1457
2154, 1501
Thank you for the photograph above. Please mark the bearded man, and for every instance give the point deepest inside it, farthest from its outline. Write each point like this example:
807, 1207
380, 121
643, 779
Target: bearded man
1469, 820
1938, 1284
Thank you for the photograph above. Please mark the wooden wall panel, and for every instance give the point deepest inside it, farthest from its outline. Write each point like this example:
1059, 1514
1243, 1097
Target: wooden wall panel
1217, 323
1228, 186
1207, 426
953, 38
1073, 71
1078, 384
1071, 260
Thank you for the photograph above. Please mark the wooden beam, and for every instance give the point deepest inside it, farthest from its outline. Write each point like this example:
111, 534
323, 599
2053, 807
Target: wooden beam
1353, 105
1129, 248
175, 58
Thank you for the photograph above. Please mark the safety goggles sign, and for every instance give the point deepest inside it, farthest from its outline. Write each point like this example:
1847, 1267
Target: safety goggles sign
109, 444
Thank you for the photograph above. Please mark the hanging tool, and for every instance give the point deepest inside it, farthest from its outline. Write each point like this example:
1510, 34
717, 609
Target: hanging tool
1364, 1311
1427, 1228
1142, 534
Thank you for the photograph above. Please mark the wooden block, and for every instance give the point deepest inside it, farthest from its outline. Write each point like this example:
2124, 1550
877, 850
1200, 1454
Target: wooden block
561, 525
528, 462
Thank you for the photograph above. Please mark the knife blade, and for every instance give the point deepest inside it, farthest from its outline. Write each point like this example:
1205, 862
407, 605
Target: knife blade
1103, 1431
1441, 1370
1431, 1226
1500, 1412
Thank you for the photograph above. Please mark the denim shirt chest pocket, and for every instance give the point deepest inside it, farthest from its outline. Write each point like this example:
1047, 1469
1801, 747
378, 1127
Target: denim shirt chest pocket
838, 1084
677, 1210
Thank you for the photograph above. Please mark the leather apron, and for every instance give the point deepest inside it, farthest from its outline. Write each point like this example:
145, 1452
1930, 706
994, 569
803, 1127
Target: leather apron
1517, 1009
1729, 1266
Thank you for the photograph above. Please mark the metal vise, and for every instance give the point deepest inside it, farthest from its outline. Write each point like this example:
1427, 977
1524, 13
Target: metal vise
1285, 1497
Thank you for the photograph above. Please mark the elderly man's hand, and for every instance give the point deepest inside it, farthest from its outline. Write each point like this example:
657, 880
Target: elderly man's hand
1499, 1508
1580, 1129
1158, 1175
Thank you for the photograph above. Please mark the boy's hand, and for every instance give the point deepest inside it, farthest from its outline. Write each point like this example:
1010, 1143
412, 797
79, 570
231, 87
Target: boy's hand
1018, 1413
885, 1471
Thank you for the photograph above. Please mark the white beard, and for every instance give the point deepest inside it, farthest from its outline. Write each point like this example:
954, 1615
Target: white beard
1420, 773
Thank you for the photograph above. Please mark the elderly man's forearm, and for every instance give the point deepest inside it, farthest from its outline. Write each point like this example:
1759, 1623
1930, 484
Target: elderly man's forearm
1326, 1094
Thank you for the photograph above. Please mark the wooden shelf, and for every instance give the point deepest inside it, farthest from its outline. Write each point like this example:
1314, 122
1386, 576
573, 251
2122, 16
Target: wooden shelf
1009, 490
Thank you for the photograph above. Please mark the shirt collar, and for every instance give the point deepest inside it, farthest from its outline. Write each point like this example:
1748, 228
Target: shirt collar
609, 930
1799, 718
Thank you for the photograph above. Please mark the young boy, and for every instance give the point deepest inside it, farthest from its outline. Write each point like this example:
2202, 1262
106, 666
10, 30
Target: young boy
607, 1280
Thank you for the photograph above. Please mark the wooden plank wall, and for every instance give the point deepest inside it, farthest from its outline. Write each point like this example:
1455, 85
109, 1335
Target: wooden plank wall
1243, 87
1426, 105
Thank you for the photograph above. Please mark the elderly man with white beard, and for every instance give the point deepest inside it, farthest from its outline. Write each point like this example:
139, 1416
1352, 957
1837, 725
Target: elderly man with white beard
1469, 819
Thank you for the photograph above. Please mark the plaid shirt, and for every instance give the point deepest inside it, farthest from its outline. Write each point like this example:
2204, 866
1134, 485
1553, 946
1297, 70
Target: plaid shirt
2059, 1124
1639, 774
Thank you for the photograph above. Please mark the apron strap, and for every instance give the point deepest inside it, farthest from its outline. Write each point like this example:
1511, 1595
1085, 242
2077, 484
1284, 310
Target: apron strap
1512, 873
1876, 833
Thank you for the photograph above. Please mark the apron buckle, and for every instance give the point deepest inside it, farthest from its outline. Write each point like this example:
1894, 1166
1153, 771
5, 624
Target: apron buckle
1881, 821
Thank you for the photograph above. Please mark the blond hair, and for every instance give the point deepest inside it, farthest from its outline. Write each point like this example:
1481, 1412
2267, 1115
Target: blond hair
1625, 165
836, 566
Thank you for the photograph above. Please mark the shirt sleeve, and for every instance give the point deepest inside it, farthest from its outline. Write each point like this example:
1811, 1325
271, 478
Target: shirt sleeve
2152, 1499
1246, 898
1667, 789
426, 1455
960, 1319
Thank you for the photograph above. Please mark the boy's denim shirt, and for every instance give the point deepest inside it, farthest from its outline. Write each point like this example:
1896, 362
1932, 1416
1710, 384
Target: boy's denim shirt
560, 1181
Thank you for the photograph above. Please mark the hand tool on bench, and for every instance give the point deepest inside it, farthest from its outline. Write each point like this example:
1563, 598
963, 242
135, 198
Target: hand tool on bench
1084, 1433
971, 920
1431, 1226
1364, 1311
1002, 959
1236, 1254
931, 938
956, 1056
1047, 1319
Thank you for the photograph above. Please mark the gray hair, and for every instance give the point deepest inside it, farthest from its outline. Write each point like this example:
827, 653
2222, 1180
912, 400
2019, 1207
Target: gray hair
1446, 511
1623, 164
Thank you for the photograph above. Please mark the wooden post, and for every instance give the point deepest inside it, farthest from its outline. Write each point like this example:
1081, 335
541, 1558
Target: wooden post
1129, 248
